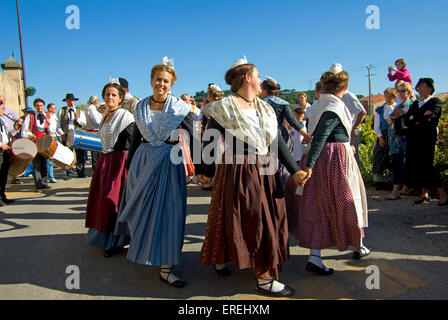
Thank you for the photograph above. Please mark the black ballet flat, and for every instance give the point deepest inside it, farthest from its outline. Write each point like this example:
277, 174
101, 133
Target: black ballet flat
177, 284
224, 271
311, 267
443, 204
110, 252
286, 292
420, 201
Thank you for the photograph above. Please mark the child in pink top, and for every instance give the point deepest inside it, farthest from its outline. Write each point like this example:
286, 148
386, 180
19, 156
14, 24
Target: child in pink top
401, 73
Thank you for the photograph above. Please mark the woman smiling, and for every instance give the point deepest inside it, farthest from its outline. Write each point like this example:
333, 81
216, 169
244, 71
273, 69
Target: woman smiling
154, 204
109, 176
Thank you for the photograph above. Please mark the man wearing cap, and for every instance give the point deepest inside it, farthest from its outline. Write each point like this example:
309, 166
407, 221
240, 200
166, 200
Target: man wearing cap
421, 121
129, 102
71, 118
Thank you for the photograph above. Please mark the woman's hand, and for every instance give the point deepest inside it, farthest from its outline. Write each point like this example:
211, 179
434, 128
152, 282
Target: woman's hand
382, 142
203, 179
302, 176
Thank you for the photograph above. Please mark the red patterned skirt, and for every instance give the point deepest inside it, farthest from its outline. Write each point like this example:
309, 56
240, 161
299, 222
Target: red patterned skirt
247, 220
106, 189
325, 215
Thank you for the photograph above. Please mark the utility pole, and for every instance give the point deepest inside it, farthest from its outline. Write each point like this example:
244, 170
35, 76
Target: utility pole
369, 69
21, 54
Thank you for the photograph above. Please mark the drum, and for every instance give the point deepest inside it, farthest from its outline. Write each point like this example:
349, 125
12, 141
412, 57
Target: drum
56, 152
22, 153
86, 140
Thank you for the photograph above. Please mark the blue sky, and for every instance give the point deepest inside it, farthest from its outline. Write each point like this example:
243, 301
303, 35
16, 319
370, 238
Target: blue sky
292, 41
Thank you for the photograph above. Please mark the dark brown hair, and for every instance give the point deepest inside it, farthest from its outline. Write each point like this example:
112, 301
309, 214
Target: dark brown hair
273, 88
334, 83
235, 76
121, 92
38, 100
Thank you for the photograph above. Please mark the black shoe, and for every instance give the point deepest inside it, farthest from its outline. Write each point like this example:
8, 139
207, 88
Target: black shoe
110, 252
286, 292
81, 175
177, 284
420, 201
311, 267
443, 204
224, 271
6, 200
361, 254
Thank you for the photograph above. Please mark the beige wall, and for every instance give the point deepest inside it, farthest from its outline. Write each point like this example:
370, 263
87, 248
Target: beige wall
13, 92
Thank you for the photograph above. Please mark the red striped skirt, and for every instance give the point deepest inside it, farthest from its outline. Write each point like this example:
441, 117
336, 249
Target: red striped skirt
325, 215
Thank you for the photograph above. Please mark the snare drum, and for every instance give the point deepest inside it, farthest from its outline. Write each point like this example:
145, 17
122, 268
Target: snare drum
23, 152
56, 152
86, 140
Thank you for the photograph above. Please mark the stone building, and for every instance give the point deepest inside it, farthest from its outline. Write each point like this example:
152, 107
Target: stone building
11, 85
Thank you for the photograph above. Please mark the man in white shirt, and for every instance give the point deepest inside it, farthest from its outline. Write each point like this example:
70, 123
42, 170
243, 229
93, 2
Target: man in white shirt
71, 118
35, 125
9, 117
53, 131
356, 109
4, 156
93, 119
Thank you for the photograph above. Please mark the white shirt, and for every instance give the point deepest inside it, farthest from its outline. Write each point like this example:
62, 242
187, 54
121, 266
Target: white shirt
93, 118
299, 147
422, 102
26, 133
54, 124
353, 104
71, 118
4, 135
377, 121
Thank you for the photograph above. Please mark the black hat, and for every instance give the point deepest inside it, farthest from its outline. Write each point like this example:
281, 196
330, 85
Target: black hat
70, 96
428, 81
123, 83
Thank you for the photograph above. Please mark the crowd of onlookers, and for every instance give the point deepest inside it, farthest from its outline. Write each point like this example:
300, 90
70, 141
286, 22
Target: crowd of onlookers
406, 128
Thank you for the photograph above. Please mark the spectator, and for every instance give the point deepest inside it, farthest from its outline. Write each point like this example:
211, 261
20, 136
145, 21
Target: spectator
421, 121
381, 157
401, 72
52, 128
397, 140
93, 121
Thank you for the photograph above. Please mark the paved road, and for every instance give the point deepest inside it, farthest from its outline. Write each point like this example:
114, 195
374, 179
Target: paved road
43, 233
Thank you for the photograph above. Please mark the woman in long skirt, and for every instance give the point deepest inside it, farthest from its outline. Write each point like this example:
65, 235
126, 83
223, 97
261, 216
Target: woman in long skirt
106, 187
247, 217
154, 205
333, 208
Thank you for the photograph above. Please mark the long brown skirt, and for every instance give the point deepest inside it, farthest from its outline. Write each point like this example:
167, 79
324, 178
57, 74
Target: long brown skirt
247, 220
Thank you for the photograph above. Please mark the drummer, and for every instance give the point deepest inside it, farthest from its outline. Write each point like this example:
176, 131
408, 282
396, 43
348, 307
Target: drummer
71, 118
4, 156
34, 127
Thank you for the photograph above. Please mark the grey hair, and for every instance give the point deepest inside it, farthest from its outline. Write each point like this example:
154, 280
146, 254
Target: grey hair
92, 99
